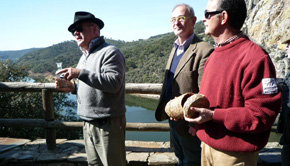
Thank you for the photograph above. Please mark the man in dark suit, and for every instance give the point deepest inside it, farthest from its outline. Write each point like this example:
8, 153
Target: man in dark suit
183, 74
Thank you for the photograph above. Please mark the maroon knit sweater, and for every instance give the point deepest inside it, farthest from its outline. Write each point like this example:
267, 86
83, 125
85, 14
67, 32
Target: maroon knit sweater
244, 107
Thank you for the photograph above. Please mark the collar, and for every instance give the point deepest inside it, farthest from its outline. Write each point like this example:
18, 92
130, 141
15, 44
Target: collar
232, 44
185, 44
95, 43
229, 40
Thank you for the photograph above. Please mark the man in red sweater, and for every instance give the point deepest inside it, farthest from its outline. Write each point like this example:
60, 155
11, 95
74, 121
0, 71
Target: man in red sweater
240, 82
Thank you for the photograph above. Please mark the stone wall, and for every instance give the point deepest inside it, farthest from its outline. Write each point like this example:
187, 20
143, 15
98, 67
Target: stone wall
267, 24
268, 21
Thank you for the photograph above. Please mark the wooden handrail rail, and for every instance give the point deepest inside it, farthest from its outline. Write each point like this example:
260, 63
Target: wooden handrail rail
130, 126
25, 87
144, 88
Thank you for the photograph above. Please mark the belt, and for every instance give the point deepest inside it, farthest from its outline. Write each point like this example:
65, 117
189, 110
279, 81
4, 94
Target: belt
99, 120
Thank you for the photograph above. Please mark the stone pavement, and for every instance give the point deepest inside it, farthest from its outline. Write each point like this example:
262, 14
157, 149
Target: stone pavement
72, 153
24, 152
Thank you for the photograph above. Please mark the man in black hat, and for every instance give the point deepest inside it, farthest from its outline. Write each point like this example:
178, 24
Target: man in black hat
100, 92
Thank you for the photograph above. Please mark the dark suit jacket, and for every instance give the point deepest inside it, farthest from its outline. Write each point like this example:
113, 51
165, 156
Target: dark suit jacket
188, 73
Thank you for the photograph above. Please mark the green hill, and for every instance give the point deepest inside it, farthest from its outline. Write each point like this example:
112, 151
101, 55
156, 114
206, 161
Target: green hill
44, 60
145, 59
15, 55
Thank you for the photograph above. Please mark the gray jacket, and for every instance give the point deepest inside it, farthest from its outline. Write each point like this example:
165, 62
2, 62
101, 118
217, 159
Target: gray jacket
101, 86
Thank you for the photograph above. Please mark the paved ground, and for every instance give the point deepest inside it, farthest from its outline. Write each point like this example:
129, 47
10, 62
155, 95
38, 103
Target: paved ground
72, 153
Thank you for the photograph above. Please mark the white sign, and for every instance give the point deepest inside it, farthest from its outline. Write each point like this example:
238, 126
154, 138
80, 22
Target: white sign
269, 86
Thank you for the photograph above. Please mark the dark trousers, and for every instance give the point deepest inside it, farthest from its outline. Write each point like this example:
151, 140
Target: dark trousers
186, 148
285, 155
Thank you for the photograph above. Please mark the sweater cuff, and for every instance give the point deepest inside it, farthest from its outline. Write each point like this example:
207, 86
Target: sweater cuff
83, 75
218, 116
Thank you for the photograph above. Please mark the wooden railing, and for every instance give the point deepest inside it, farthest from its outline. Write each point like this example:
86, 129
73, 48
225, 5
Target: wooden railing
50, 123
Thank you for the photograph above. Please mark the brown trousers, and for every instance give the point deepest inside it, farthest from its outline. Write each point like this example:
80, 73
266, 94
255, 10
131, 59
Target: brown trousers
214, 157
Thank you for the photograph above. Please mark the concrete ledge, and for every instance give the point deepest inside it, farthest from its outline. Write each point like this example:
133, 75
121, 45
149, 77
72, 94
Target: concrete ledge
166, 158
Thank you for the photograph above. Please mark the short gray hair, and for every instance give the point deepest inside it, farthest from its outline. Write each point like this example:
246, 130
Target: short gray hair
188, 8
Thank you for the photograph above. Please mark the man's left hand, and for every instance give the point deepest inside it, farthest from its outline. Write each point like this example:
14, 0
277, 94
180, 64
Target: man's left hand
204, 115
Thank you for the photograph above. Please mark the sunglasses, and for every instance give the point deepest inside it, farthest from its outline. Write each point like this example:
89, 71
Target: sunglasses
208, 15
78, 28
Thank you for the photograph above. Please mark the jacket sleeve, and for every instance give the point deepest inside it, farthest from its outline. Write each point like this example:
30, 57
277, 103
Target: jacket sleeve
112, 73
205, 52
260, 109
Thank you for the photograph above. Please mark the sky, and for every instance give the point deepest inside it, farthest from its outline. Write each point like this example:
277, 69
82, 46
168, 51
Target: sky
43, 23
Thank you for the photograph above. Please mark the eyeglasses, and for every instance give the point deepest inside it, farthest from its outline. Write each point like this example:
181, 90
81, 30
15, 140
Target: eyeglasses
179, 18
78, 28
208, 15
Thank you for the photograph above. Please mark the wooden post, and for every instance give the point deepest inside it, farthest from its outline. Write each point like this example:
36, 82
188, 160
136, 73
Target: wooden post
47, 103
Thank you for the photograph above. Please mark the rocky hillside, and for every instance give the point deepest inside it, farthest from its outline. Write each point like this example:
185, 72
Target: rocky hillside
268, 24
268, 21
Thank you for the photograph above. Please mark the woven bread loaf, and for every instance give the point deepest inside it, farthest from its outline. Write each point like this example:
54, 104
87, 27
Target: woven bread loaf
174, 107
180, 105
196, 100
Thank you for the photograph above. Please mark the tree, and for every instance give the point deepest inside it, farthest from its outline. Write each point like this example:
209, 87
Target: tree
28, 105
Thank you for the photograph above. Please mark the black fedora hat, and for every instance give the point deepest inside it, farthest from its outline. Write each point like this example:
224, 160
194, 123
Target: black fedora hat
85, 16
